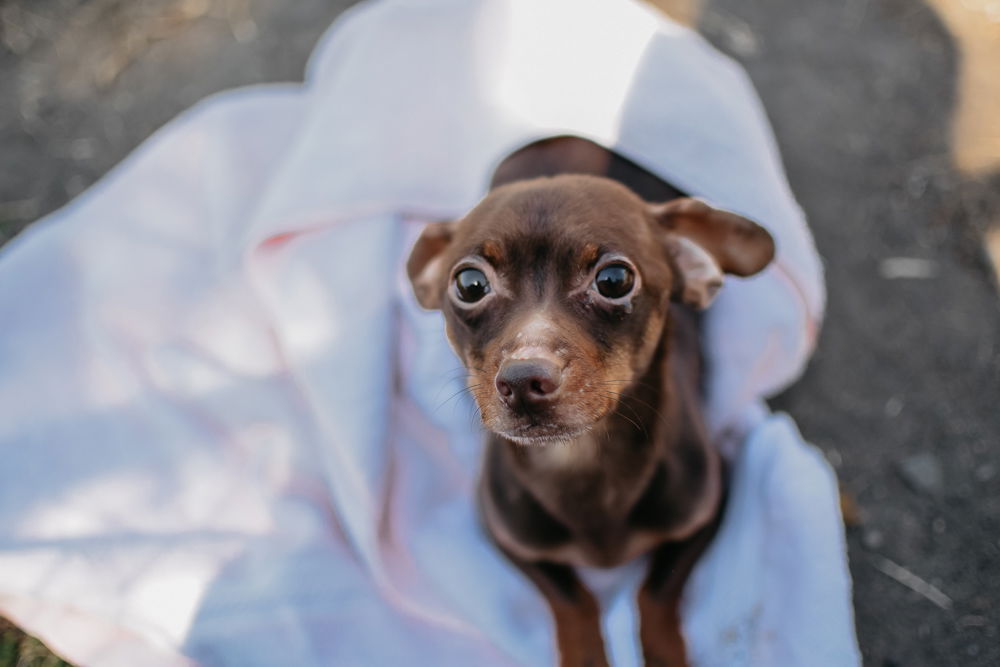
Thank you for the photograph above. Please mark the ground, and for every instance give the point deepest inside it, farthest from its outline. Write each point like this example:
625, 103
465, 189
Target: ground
885, 114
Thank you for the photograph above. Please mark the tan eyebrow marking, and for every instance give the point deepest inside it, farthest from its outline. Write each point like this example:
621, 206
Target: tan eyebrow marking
589, 254
492, 252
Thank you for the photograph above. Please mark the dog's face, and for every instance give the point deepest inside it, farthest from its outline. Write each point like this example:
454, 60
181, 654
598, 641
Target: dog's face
555, 293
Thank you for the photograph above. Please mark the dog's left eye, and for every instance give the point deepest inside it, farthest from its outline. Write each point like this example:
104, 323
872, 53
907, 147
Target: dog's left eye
472, 285
614, 281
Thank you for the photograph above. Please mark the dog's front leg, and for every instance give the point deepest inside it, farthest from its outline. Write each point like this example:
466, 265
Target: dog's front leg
660, 597
575, 611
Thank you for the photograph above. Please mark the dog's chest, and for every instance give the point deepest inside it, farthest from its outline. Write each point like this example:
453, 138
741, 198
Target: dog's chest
587, 477
591, 487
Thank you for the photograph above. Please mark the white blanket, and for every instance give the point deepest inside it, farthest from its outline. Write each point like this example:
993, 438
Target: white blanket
230, 437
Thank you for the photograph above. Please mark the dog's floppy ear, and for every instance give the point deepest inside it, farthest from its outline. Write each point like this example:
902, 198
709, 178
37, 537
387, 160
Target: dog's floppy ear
425, 265
703, 242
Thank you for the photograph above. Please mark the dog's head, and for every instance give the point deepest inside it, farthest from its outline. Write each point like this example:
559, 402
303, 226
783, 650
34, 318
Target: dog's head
555, 293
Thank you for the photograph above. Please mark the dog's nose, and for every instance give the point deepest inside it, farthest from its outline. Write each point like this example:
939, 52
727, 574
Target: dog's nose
528, 381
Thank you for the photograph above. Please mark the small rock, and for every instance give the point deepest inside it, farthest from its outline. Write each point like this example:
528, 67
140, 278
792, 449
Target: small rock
736, 34
83, 149
895, 268
245, 31
893, 406
986, 472
922, 473
939, 526
872, 539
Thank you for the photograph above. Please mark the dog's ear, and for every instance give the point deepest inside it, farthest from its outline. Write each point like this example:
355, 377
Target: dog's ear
425, 265
703, 242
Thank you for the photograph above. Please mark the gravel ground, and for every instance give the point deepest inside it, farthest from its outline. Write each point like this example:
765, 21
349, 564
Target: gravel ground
903, 392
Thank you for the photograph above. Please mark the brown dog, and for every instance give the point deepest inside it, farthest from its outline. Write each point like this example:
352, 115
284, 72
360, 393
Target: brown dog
568, 298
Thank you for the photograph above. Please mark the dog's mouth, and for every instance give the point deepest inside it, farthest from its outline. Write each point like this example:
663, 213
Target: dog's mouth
542, 433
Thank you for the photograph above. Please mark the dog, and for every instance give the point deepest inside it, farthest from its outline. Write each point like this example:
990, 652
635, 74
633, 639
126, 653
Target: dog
571, 294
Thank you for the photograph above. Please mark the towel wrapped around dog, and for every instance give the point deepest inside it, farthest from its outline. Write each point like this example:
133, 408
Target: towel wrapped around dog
230, 436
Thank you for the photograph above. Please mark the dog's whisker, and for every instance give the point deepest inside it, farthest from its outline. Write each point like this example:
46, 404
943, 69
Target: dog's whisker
638, 426
455, 395
622, 400
635, 413
457, 372
652, 408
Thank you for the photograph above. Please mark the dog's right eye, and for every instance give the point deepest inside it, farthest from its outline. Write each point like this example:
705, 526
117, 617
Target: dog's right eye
472, 285
614, 281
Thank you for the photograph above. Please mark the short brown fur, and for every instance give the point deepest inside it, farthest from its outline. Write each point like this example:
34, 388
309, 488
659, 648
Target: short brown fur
605, 456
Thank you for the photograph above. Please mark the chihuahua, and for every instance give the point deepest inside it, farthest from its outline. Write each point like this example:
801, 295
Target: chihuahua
571, 294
